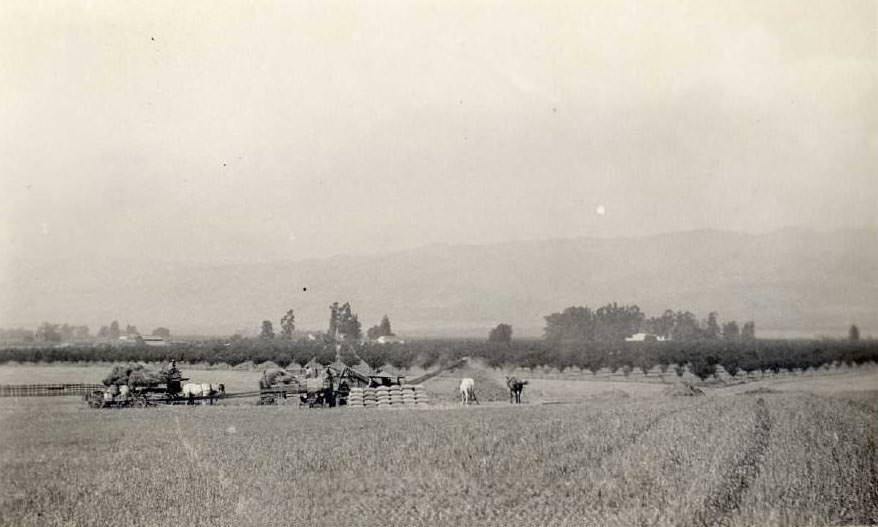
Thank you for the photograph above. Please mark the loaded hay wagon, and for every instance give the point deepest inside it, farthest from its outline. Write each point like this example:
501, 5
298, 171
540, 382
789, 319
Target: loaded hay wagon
136, 387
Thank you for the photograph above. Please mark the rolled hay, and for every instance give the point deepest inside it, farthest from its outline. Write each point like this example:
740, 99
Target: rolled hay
683, 389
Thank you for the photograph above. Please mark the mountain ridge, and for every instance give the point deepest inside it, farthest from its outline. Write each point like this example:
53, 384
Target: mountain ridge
791, 280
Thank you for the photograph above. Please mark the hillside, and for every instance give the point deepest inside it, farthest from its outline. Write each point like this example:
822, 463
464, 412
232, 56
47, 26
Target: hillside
795, 281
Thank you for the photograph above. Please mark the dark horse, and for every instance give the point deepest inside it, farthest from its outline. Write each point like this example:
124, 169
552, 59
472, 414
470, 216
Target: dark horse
516, 386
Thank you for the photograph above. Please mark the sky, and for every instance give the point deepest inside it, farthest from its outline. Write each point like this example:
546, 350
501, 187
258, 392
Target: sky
262, 131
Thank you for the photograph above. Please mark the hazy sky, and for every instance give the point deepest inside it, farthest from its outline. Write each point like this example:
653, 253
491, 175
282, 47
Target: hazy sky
256, 131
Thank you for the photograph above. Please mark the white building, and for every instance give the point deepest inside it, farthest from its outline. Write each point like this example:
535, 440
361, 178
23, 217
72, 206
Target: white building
391, 339
645, 337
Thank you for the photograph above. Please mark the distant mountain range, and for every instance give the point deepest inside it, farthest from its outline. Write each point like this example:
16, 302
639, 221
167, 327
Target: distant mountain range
792, 282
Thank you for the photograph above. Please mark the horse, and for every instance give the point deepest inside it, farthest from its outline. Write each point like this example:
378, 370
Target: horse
208, 392
468, 391
516, 386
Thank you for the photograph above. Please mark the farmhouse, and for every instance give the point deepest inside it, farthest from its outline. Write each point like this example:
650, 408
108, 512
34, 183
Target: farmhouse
645, 337
389, 339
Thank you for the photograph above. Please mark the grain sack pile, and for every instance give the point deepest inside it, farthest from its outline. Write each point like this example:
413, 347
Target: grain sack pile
388, 397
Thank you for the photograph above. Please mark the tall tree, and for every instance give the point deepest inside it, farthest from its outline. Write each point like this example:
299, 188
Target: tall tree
386, 331
131, 330
267, 330
501, 334
381, 330
748, 331
288, 325
333, 321
164, 333
114, 330
854, 333
685, 327
711, 327
344, 323
731, 331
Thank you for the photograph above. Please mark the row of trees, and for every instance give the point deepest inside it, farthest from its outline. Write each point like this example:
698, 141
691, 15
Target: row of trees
702, 356
614, 323
344, 326
51, 332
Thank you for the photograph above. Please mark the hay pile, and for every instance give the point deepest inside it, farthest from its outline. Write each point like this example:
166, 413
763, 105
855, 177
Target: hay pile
488, 386
134, 375
683, 389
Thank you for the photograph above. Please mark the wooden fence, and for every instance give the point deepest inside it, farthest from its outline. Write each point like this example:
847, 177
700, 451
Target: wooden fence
47, 390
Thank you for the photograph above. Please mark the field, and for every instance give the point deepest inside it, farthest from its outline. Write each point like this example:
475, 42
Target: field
797, 451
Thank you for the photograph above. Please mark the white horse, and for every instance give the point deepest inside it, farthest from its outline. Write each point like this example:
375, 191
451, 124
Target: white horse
208, 392
468, 391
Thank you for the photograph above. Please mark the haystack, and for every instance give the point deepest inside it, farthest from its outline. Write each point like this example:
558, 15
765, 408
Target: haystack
488, 383
133, 375
246, 365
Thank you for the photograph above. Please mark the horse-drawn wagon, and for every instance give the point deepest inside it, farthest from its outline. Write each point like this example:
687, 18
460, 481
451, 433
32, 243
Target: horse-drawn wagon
136, 387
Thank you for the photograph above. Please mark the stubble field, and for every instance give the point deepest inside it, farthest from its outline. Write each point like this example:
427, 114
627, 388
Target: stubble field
781, 456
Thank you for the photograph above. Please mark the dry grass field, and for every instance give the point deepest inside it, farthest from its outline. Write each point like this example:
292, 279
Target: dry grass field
762, 454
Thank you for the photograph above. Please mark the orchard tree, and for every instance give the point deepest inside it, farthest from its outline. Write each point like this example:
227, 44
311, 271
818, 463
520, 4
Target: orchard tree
373, 356
288, 325
348, 356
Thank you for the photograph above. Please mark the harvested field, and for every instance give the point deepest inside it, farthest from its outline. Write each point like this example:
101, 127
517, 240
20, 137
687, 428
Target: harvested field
789, 458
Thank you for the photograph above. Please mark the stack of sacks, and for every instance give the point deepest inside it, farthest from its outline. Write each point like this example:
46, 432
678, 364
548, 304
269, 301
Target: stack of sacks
370, 398
355, 398
396, 396
421, 396
408, 395
382, 394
